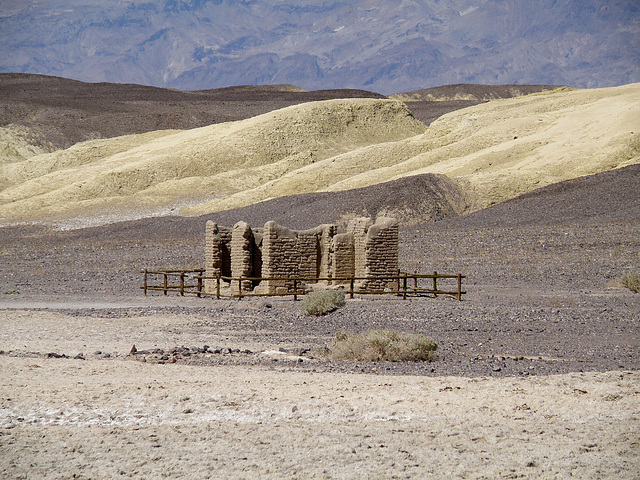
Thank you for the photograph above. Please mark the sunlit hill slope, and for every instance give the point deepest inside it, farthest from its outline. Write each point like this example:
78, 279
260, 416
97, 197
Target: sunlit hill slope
493, 152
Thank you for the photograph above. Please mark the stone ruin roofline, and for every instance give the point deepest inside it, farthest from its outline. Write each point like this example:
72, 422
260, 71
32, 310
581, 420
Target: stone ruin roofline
366, 249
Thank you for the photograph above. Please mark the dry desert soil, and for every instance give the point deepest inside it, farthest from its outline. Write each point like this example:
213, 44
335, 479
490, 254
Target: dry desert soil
536, 374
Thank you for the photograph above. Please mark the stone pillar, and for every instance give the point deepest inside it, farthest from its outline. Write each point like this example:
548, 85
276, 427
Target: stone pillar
325, 247
381, 253
358, 227
242, 246
217, 254
343, 257
309, 254
280, 258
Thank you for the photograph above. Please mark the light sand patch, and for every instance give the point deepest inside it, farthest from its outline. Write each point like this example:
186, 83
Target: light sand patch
104, 418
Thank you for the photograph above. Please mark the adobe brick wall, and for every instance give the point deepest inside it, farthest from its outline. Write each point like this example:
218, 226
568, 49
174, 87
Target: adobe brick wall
343, 256
366, 250
381, 253
217, 254
242, 248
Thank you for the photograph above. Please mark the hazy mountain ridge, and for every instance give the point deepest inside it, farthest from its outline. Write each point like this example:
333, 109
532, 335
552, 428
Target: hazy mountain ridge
388, 47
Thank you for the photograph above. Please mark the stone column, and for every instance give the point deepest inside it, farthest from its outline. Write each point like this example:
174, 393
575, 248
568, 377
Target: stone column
242, 245
381, 252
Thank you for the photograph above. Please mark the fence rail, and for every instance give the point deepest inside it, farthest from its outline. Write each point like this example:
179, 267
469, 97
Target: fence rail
407, 284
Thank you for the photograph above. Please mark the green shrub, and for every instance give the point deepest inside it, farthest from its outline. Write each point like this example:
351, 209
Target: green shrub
383, 346
322, 301
632, 282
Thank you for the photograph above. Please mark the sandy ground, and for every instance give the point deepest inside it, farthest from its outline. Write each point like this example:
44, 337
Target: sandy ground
107, 416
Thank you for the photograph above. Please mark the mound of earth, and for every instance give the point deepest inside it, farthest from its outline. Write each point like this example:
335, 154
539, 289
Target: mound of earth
607, 196
493, 152
50, 113
160, 168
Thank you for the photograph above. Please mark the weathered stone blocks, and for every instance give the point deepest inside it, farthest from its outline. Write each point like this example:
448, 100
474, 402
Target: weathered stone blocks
320, 255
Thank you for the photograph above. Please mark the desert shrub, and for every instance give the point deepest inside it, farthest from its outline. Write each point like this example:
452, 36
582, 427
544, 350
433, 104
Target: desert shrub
383, 346
631, 281
322, 301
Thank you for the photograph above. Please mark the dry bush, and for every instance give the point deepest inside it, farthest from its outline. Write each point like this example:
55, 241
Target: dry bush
383, 346
322, 302
631, 281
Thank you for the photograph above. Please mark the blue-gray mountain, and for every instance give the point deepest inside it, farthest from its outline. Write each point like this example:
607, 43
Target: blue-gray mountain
388, 46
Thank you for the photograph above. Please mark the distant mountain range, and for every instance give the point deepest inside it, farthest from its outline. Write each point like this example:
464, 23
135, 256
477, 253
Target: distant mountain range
384, 46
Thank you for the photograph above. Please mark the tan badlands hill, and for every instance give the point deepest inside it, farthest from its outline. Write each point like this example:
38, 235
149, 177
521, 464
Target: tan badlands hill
494, 151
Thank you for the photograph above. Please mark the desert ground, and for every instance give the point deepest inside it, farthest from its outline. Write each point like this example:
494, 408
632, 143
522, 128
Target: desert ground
536, 374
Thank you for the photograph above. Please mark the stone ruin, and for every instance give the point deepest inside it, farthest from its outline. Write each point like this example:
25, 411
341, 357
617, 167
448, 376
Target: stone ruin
322, 256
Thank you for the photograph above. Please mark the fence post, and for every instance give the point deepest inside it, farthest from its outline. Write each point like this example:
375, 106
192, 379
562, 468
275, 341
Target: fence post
182, 284
415, 281
295, 289
218, 287
435, 284
144, 286
200, 284
399, 273
240, 288
351, 288
404, 287
165, 284
459, 287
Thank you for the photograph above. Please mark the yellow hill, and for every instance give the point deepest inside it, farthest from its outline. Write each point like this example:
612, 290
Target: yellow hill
495, 151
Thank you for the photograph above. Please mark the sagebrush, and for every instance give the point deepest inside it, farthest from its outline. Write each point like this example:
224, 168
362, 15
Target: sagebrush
631, 281
322, 302
383, 346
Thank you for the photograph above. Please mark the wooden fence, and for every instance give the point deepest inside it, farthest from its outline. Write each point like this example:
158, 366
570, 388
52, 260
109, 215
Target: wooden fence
191, 282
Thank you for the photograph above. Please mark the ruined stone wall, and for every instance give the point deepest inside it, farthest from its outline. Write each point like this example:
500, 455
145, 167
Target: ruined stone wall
217, 254
358, 228
366, 250
343, 257
242, 248
280, 257
325, 247
381, 253
309, 250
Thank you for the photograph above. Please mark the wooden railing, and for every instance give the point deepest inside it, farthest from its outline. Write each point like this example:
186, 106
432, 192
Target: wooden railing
181, 275
407, 284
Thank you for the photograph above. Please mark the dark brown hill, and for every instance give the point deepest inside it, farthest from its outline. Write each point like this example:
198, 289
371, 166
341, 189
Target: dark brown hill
63, 112
607, 196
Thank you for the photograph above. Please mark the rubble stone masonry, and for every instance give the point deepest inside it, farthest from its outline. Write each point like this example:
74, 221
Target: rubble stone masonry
367, 249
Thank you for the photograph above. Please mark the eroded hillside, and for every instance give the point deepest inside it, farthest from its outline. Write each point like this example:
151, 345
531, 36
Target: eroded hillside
493, 152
